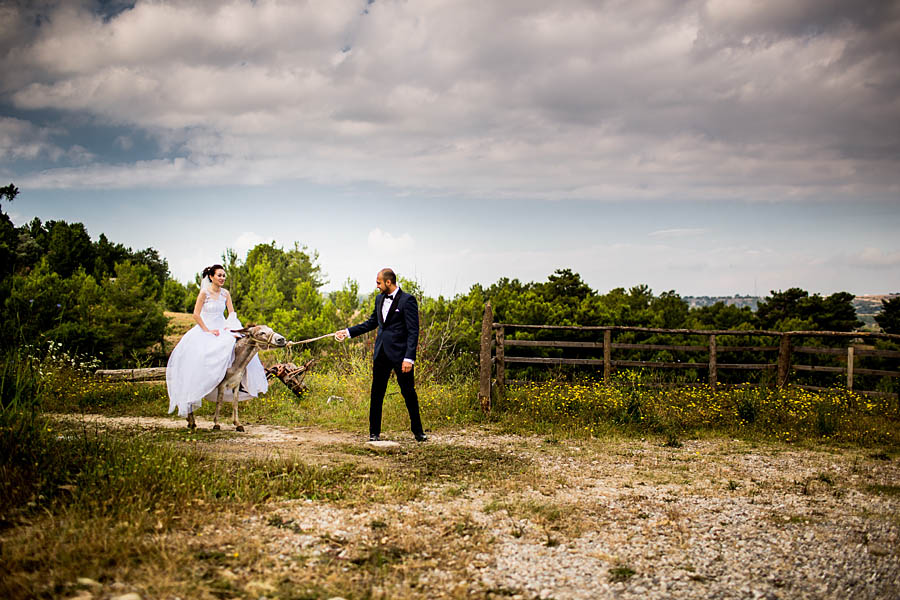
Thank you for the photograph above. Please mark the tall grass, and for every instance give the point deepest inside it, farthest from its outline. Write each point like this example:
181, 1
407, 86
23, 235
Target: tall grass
337, 397
628, 404
20, 384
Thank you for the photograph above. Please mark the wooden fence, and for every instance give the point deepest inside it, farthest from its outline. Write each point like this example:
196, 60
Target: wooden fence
496, 346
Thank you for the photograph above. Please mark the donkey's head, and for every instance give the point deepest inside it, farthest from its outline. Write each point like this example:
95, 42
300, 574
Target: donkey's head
262, 336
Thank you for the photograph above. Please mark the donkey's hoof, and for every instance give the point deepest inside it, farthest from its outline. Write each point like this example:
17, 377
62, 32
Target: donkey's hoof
239, 428
192, 426
216, 427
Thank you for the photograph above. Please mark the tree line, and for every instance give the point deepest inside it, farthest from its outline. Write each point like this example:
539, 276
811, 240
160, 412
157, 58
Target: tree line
106, 300
95, 298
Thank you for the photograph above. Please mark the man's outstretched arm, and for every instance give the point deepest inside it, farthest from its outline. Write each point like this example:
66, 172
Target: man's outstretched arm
364, 327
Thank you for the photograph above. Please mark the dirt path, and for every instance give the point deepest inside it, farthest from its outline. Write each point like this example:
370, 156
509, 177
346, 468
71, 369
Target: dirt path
256, 435
501, 516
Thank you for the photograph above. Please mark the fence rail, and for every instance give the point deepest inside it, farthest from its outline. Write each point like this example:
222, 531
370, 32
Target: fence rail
494, 337
148, 374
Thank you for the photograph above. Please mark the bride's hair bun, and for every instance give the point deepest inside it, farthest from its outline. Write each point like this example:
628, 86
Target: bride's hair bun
210, 271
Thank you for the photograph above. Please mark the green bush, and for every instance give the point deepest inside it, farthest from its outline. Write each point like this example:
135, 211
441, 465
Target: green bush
118, 319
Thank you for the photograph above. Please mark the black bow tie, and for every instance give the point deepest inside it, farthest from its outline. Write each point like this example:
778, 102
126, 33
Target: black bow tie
391, 298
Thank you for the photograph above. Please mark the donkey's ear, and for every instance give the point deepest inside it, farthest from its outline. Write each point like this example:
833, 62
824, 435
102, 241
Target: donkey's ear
242, 330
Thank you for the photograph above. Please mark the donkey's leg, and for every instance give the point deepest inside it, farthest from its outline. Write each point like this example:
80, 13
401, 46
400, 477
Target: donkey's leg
220, 395
192, 424
234, 402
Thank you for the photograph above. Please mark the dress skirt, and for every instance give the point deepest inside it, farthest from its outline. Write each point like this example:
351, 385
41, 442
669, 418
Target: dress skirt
198, 363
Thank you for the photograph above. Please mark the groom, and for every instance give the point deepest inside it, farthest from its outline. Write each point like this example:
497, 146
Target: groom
396, 316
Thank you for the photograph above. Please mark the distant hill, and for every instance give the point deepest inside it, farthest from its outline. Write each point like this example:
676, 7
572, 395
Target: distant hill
739, 301
867, 306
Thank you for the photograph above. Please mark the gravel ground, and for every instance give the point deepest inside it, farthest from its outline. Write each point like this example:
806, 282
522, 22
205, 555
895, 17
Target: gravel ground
586, 519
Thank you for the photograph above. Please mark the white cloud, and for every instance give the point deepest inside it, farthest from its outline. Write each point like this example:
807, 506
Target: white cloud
21, 140
876, 257
615, 101
247, 241
387, 243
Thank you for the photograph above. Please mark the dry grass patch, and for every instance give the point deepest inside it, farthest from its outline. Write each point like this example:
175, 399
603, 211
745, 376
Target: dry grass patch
298, 550
178, 325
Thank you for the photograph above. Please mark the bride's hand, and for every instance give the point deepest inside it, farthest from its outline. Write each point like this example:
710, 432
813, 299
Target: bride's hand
214, 331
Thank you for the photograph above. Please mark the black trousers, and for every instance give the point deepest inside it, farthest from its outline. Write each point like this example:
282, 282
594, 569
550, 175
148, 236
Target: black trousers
381, 373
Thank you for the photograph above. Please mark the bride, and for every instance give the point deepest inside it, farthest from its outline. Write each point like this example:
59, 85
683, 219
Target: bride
199, 361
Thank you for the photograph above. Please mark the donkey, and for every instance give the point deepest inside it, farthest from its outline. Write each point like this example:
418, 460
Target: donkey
253, 339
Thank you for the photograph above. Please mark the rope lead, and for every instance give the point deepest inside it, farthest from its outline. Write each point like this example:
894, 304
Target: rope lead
310, 340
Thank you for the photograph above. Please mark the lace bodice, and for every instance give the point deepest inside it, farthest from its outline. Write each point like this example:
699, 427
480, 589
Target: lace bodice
214, 306
213, 310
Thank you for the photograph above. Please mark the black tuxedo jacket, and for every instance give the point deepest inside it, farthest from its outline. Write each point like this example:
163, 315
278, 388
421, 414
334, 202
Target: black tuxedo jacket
398, 334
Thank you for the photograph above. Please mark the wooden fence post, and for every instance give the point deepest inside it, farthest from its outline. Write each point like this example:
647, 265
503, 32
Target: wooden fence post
484, 387
607, 354
501, 362
784, 360
713, 370
849, 367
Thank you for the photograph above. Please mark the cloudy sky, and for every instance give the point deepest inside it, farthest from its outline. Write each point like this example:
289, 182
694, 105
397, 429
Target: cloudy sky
702, 146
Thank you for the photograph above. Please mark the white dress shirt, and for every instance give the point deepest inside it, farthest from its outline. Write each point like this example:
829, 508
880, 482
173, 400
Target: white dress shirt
386, 305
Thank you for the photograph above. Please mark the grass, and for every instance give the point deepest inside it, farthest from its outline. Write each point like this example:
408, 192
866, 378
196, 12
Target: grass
119, 504
338, 398
90, 501
620, 574
791, 414
884, 490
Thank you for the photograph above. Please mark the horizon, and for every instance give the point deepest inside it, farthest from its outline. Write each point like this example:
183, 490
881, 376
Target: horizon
247, 242
328, 287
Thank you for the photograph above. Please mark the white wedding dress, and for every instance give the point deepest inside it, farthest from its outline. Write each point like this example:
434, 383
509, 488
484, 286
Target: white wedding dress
199, 361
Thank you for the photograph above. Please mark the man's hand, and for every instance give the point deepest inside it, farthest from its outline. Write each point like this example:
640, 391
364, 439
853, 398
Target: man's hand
340, 335
406, 367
